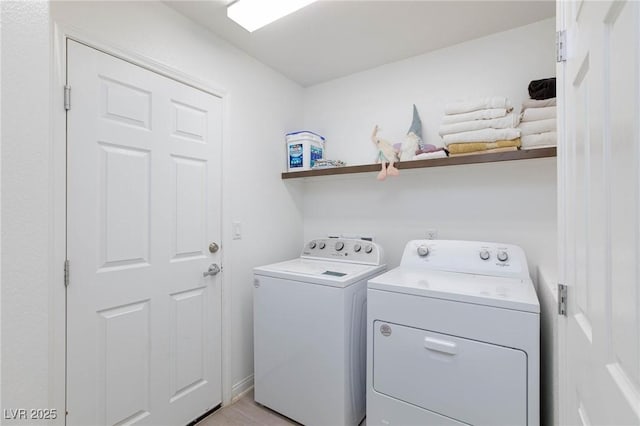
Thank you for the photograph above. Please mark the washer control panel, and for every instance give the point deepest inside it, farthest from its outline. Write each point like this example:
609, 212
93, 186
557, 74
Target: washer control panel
471, 257
344, 249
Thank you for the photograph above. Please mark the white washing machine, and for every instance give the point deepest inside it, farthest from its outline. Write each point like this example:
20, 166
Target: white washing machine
453, 337
309, 318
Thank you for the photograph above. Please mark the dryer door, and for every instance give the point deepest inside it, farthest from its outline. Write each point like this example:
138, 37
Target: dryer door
466, 380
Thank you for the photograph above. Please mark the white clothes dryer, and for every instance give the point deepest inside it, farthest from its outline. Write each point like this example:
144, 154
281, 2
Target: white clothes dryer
453, 337
310, 330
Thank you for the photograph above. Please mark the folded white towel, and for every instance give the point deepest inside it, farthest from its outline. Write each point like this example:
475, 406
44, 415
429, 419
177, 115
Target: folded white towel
540, 140
534, 103
460, 107
467, 126
430, 155
535, 114
535, 127
483, 135
482, 114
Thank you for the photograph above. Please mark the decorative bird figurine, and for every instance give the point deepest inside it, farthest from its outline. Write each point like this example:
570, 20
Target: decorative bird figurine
386, 154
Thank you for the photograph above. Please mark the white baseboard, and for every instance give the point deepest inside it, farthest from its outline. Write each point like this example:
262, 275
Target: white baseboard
242, 387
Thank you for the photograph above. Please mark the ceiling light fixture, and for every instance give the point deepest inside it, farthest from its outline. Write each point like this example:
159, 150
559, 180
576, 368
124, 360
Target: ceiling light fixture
254, 14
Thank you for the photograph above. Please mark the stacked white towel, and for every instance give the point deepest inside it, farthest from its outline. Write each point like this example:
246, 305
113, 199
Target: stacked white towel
538, 123
461, 107
484, 120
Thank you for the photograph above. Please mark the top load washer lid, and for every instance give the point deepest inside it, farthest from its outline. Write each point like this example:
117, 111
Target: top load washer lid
335, 274
501, 292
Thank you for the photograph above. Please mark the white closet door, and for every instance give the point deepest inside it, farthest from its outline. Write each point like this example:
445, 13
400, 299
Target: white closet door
143, 324
600, 215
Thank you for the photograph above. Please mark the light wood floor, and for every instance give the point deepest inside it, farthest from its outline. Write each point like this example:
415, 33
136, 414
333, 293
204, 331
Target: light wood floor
245, 412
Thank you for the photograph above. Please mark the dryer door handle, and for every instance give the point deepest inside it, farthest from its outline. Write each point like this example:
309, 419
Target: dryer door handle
440, 346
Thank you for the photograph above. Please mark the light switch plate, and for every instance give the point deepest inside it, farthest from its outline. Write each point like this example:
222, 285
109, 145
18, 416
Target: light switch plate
237, 230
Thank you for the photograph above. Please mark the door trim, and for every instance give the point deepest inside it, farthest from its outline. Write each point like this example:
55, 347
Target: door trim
58, 202
561, 339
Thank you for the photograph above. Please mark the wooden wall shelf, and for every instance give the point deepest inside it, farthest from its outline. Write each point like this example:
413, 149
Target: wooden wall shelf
524, 154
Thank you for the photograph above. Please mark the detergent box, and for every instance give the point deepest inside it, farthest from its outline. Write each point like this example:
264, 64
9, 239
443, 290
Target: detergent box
303, 149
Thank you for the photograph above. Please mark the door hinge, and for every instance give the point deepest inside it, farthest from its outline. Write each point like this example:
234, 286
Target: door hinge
562, 299
67, 97
66, 273
561, 46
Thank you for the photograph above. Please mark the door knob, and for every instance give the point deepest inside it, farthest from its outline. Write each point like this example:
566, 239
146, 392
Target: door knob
213, 270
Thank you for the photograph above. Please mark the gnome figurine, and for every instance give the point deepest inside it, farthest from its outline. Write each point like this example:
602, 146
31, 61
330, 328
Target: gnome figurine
413, 141
386, 154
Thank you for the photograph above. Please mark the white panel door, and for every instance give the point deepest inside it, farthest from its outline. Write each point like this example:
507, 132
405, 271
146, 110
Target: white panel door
600, 218
143, 324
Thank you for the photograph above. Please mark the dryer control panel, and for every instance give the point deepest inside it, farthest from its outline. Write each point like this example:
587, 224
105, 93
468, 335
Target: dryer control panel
472, 257
345, 250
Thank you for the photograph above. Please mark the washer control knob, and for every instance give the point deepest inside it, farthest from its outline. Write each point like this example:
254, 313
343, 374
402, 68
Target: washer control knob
357, 248
484, 254
423, 251
503, 256
312, 245
368, 248
321, 245
339, 245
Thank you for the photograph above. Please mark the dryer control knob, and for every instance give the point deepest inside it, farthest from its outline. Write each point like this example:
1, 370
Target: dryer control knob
368, 248
503, 256
357, 248
485, 255
322, 245
339, 245
423, 251
312, 245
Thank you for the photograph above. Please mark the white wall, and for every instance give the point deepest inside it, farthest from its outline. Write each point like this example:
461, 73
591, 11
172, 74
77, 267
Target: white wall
512, 202
25, 204
261, 105
345, 110
549, 346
